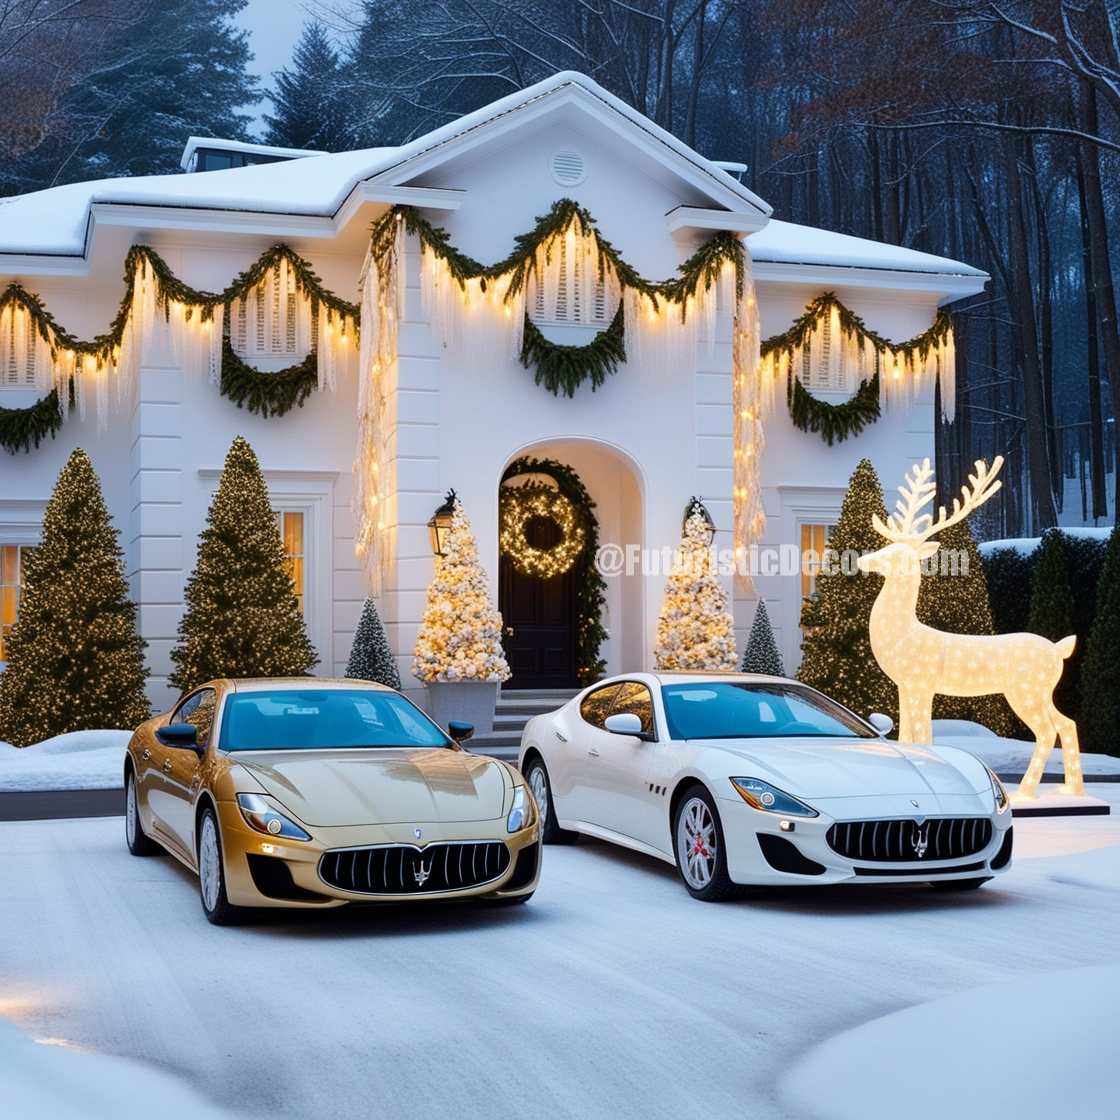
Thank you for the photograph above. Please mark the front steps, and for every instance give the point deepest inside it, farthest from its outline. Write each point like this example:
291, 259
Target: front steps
515, 707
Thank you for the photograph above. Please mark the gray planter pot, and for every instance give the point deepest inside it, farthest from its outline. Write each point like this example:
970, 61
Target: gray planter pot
467, 701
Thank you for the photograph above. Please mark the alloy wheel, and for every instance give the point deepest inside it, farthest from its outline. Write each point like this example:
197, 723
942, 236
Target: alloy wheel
538, 783
696, 843
210, 863
130, 812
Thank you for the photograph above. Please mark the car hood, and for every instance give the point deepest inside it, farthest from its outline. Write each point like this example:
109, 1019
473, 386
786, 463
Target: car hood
852, 767
381, 786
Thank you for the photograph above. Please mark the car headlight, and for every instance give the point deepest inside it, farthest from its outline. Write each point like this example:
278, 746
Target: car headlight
260, 814
522, 813
998, 791
769, 799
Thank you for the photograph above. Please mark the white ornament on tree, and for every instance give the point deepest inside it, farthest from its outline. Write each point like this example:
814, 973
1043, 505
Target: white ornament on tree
922, 662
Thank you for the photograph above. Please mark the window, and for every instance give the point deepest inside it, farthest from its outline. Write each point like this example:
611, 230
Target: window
828, 366
198, 710
596, 706
814, 540
263, 325
290, 523
722, 710
13, 569
324, 719
18, 349
571, 298
635, 699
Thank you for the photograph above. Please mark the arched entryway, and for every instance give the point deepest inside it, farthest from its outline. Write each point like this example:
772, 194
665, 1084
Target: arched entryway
565, 626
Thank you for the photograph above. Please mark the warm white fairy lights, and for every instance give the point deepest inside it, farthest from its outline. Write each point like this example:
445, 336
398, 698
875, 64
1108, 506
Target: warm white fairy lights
519, 506
922, 662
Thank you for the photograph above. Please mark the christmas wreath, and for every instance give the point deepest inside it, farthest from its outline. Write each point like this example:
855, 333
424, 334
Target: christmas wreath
522, 504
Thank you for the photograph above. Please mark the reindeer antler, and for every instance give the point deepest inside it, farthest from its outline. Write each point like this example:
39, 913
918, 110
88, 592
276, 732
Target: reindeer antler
908, 524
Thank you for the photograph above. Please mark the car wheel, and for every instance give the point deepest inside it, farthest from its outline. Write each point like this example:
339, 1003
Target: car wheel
699, 847
139, 844
959, 884
537, 777
212, 873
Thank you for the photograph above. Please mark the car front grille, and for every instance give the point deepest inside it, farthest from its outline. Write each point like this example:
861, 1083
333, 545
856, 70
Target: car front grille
401, 869
908, 841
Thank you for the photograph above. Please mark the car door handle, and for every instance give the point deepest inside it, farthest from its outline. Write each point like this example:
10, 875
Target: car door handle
593, 753
145, 754
559, 736
167, 766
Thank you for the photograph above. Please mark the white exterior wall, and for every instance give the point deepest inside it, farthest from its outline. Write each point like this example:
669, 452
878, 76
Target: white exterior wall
643, 443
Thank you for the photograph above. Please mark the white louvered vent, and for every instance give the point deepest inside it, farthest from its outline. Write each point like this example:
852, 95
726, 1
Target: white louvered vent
568, 168
264, 325
582, 300
818, 371
17, 351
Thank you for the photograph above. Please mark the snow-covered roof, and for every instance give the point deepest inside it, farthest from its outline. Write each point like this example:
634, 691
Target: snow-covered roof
789, 243
196, 142
56, 222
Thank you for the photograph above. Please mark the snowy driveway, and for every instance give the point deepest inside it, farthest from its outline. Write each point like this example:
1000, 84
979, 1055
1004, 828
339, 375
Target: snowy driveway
611, 994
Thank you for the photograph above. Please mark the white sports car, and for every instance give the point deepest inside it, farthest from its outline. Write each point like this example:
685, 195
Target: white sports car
745, 779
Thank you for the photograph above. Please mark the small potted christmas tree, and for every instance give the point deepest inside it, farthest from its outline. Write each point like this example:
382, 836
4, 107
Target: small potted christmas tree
459, 648
761, 654
695, 630
371, 659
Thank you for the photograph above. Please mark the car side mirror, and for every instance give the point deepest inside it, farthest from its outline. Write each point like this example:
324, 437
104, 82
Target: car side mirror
882, 723
624, 723
460, 731
182, 736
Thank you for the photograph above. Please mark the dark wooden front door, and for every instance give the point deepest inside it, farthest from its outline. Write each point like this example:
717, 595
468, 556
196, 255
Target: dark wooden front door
539, 616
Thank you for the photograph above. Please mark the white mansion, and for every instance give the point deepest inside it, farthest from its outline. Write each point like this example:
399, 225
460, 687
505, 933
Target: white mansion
445, 390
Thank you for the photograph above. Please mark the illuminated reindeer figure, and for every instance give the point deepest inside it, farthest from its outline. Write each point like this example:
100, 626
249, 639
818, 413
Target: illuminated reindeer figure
922, 661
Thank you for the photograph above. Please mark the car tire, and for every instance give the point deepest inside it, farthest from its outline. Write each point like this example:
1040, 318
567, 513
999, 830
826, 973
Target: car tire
959, 884
536, 776
138, 841
212, 873
705, 875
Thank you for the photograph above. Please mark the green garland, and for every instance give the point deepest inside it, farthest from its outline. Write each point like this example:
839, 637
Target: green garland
837, 422
591, 588
23, 428
267, 394
566, 368
561, 368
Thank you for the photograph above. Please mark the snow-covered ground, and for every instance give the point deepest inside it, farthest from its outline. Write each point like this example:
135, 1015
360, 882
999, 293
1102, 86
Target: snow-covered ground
78, 760
611, 994
1026, 545
1010, 756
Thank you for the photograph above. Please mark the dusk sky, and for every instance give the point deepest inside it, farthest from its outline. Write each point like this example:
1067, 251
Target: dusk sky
274, 27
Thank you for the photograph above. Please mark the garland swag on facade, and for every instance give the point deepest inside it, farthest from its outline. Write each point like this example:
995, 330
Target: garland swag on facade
269, 394
591, 588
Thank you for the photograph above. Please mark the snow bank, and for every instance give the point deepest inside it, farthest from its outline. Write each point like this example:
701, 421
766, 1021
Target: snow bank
1026, 545
64, 1083
1010, 756
78, 760
970, 1055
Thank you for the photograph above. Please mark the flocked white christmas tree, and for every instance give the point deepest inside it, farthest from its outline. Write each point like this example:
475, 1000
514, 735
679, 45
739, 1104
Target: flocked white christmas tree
371, 659
761, 654
695, 630
461, 635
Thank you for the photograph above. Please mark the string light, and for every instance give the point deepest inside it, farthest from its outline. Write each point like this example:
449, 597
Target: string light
519, 506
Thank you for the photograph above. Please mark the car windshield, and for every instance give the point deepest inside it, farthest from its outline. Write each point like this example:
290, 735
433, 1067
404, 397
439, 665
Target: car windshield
740, 710
322, 719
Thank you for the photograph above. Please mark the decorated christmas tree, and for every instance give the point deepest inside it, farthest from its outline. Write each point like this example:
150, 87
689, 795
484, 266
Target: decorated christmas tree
761, 654
242, 618
371, 659
1099, 726
695, 630
75, 659
954, 598
836, 642
460, 636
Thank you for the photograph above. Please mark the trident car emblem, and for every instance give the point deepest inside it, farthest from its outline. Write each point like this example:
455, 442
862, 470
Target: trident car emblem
421, 873
919, 838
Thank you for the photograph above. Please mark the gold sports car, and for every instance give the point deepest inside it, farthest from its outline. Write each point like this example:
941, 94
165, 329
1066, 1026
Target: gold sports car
315, 793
